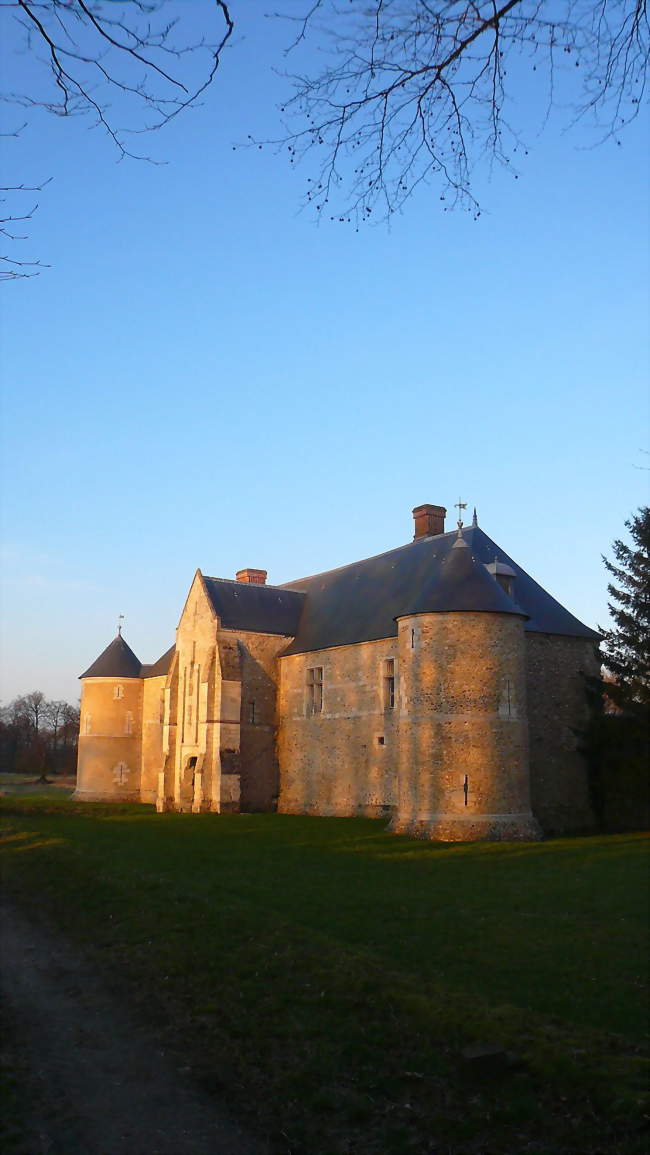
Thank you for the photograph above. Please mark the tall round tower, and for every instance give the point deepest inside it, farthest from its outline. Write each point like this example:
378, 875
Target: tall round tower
110, 735
463, 758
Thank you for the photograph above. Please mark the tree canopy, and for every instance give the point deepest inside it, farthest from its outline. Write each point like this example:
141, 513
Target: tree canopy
38, 734
627, 642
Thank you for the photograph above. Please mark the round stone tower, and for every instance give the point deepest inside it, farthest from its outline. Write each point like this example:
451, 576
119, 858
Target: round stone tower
110, 742
463, 758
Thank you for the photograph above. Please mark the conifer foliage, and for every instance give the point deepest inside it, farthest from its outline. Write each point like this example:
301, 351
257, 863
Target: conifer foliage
627, 643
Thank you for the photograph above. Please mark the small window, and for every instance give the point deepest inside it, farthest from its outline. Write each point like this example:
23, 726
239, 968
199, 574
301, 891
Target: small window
412, 639
381, 741
389, 684
118, 692
315, 690
87, 721
252, 712
507, 584
128, 723
120, 773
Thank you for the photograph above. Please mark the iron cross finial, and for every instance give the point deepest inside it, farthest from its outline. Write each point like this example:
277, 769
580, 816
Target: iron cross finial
120, 619
460, 506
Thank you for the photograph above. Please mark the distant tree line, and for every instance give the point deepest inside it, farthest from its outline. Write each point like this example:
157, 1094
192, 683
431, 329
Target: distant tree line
38, 735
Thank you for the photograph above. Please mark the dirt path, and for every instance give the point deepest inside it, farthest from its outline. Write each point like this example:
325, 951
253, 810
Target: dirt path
98, 1084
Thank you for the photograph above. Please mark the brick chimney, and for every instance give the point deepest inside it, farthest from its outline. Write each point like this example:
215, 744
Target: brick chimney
254, 577
429, 520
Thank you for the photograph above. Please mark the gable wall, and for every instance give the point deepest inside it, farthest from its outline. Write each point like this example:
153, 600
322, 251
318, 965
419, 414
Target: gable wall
218, 755
192, 774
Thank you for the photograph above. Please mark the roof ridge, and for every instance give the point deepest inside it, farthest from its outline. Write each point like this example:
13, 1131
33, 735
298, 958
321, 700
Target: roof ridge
249, 585
375, 556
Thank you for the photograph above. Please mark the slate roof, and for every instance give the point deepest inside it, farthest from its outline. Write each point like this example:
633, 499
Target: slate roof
119, 661
260, 609
461, 583
361, 602
116, 661
157, 669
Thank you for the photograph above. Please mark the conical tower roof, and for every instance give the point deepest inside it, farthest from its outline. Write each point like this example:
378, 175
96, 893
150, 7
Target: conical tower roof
116, 661
462, 585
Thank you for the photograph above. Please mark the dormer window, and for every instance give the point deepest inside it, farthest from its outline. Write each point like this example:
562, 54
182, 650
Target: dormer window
504, 575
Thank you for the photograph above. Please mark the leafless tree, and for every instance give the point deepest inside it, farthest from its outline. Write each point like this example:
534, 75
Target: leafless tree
32, 707
54, 716
126, 66
69, 730
37, 734
413, 91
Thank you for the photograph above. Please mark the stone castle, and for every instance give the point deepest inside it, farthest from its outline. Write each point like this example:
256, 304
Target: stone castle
437, 684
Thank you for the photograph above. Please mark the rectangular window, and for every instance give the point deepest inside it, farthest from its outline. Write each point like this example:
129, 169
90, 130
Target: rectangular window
315, 690
118, 692
128, 723
251, 712
87, 722
389, 684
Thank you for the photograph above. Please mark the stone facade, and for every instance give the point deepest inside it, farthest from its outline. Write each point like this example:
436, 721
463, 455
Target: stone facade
219, 716
109, 761
462, 723
342, 760
463, 751
557, 713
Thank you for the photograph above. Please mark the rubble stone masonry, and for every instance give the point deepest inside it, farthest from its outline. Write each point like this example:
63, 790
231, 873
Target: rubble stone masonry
557, 712
463, 767
462, 727
110, 740
343, 759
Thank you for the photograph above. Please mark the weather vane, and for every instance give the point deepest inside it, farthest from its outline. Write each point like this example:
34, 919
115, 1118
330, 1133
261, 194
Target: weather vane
120, 619
460, 506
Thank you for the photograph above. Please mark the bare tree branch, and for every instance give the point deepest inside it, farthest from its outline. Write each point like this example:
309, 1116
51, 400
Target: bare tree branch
413, 91
112, 64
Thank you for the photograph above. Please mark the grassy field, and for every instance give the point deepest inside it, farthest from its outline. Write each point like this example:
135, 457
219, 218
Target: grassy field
60, 786
330, 981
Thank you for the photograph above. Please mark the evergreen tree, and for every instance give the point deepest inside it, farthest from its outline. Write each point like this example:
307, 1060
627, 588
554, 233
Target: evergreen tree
627, 643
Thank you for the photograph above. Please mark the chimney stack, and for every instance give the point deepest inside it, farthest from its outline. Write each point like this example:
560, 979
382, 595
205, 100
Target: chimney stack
254, 577
429, 520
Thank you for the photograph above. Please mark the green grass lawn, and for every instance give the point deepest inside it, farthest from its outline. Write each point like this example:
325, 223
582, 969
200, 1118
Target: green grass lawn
326, 978
57, 785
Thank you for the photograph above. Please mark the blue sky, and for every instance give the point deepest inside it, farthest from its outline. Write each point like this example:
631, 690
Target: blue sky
205, 377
